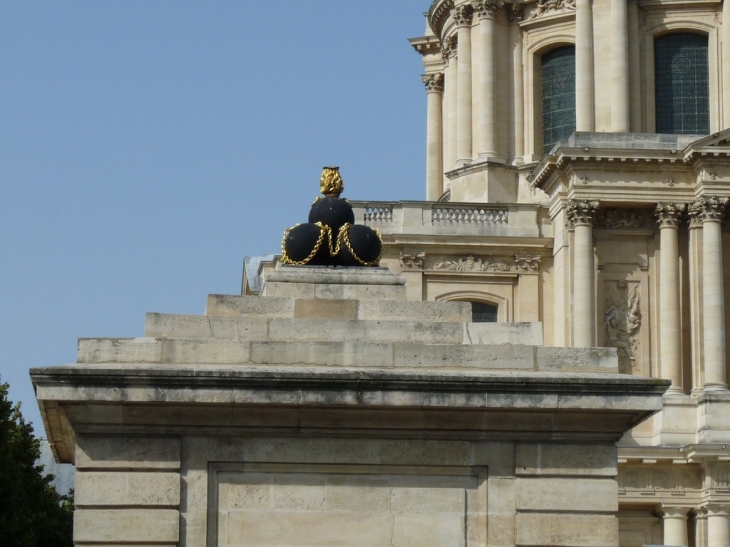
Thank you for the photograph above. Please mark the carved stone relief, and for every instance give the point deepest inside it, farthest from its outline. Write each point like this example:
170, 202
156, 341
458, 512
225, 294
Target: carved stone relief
546, 7
624, 219
622, 320
660, 480
472, 264
412, 261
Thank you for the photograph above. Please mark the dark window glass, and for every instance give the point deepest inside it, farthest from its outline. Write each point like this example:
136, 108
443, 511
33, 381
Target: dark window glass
682, 84
483, 313
558, 96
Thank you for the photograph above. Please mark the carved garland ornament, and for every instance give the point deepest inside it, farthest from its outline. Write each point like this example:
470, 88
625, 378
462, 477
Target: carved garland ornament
471, 264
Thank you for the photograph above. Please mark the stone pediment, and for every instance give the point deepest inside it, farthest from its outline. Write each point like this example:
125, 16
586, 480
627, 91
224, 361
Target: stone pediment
717, 144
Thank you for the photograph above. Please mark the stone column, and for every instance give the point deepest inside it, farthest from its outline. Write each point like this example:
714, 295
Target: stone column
434, 128
718, 526
620, 99
462, 18
584, 114
668, 217
675, 525
517, 94
449, 52
487, 11
695, 299
581, 215
725, 38
712, 210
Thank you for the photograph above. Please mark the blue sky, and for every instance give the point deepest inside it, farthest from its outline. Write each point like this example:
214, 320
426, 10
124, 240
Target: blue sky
147, 146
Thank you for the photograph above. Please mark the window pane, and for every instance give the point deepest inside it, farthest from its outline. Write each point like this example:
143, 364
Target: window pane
483, 313
558, 96
682, 84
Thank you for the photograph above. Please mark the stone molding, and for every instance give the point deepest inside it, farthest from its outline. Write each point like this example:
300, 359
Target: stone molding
471, 263
669, 215
582, 213
434, 82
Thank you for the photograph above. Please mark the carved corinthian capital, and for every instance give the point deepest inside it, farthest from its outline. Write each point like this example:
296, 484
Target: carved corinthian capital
582, 213
669, 214
462, 15
448, 49
434, 82
708, 208
486, 9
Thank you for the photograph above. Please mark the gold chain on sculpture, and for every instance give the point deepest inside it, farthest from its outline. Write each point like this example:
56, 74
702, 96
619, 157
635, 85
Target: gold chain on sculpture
346, 239
324, 230
342, 237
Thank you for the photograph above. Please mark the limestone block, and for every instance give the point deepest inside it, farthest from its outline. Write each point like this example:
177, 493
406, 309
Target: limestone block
202, 327
358, 494
426, 500
529, 334
548, 529
479, 357
577, 359
306, 529
220, 304
119, 350
566, 459
438, 312
352, 354
205, 351
126, 526
318, 308
498, 456
566, 494
380, 331
287, 290
122, 452
127, 488
434, 530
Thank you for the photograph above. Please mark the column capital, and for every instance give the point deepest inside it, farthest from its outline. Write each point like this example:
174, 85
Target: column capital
486, 9
448, 49
718, 510
462, 15
582, 213
675, 512
515, 12
668, 215
434, 82
708, 208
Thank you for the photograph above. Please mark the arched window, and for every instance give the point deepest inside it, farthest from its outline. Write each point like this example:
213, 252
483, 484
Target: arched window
558, 95
682, 76
483, 313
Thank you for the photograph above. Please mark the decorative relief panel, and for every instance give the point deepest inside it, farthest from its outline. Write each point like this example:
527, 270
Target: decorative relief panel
472, 264
622, 321
624, 219
412, 261
549, 7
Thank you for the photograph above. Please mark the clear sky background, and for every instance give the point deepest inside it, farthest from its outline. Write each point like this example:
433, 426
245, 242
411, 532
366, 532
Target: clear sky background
146, 147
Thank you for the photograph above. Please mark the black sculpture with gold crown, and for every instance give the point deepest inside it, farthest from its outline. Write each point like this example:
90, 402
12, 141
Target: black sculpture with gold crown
331, 237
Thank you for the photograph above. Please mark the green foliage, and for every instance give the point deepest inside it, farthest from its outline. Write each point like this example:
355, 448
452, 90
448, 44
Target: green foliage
32, 513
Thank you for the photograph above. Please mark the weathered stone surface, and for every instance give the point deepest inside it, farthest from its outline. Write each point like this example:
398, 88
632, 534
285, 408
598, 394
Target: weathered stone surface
460, 356
319, 308
440, 312
352, 354
119, 350
566, 459
577, 359
566, 494
503, 333
126, 526
127, 488
559, 529
160, 325
234, 305
122, 452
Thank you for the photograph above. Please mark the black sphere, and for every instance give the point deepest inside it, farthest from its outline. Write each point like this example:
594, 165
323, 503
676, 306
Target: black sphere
365, 243
332, 212
301, 241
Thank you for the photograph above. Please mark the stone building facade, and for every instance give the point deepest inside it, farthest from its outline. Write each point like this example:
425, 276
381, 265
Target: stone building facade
578, 175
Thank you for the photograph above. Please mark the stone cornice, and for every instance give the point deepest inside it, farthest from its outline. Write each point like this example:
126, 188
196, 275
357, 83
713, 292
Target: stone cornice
426, 45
